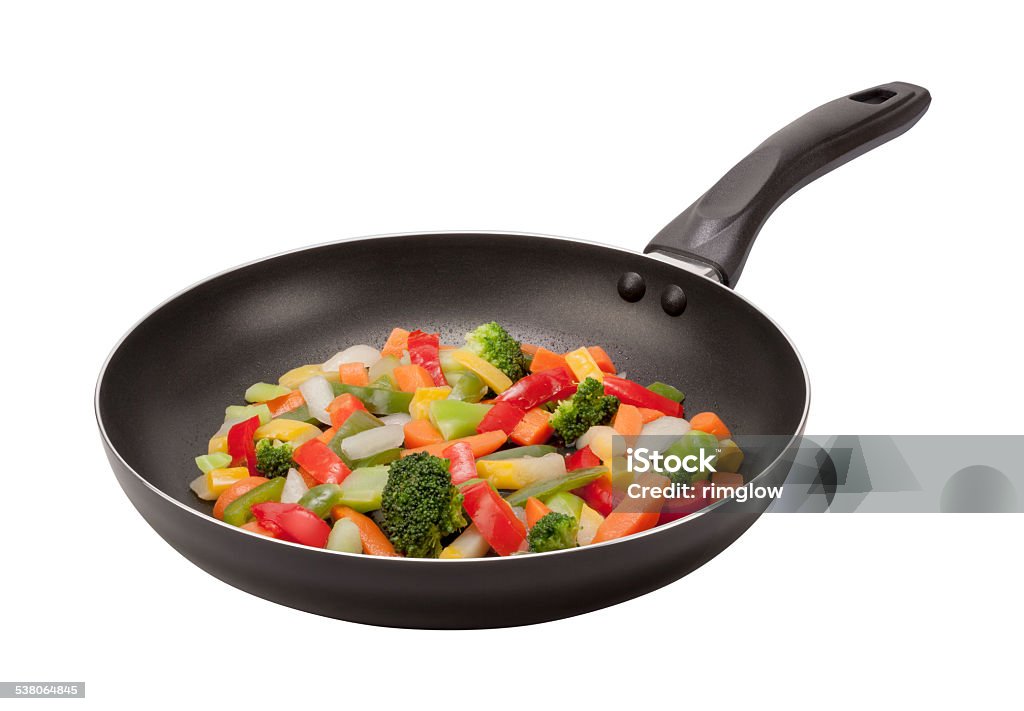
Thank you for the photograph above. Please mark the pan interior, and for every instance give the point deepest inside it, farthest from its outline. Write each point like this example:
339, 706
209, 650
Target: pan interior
163, 392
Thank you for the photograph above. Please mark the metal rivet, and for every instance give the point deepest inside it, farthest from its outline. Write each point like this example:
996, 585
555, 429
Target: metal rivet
673, 300
632, 286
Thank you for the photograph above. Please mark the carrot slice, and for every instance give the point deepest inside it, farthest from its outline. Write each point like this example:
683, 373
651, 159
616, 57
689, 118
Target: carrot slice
285, 403
603, 360
410, 377
373, 539
711, 423
353, 374
327, 435
649, 415
544, 359
628, 421
633, 515
529, 348
535, 511
234, 491
396, 343
533, 428
481, 444
420, 433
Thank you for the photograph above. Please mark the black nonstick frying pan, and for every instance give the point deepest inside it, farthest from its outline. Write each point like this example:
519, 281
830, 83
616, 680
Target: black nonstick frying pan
669, 314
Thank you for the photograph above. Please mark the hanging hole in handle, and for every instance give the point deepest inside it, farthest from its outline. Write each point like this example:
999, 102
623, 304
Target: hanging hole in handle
874, 96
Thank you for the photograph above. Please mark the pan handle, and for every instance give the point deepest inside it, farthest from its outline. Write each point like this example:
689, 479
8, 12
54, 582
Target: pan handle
715, 233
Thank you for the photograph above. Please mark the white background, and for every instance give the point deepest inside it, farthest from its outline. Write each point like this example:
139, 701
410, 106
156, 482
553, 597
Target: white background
144, 146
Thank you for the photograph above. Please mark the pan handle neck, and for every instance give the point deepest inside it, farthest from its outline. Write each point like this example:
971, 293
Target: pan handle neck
717, 231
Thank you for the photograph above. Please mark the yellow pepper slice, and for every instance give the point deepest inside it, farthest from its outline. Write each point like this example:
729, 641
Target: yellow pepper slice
297, 376
517, 473
583, 365
217, 444
419, 406
495, 379
294, 431
217, 480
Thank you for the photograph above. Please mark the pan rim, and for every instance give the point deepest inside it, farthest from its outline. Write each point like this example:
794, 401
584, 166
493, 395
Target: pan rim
109, 446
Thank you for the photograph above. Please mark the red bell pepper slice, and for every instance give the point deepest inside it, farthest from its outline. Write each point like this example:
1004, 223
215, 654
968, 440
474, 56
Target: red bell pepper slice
539, 388
343, 406
635, 394
462, 463
424, 352
598, 494
291, 522
680, 507
494, 518
321, 462
502, 416
582, 459
242, 446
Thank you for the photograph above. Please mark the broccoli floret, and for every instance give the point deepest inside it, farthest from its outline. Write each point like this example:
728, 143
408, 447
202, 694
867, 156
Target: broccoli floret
588, 407
419, 505
273, 459
493, 343
553, 532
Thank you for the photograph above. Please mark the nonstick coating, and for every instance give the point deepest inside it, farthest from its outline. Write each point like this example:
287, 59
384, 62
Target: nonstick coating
163, 392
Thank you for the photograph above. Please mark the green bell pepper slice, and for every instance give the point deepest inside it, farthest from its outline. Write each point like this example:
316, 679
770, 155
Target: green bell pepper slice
261, 392
239, 511
565, 503
362, 489
572, 480
209, 462
385, 457
694, 443
468, 387
455, 418
533, 450
665, 390
300, 413
377, 400
241, 413
321, 499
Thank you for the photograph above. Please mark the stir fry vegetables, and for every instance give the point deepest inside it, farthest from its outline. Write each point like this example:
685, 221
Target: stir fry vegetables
428, 450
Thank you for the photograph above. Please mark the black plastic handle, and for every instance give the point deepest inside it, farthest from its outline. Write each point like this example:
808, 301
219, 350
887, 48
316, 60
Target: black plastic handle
719, 229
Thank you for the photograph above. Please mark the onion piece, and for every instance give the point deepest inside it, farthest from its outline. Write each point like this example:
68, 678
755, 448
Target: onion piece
373, 441
294, 487
228, 424
398, 418
382, 367
201, 489
603, 441
469, 544
660, 434
367, 355
318, 394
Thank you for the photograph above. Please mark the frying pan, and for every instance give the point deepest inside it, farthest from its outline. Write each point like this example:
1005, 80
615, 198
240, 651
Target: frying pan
669, 314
